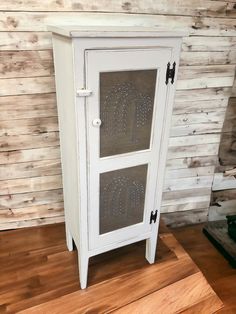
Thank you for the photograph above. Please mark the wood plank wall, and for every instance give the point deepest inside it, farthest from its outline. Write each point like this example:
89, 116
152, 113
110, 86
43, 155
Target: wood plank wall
223, 200
30, 171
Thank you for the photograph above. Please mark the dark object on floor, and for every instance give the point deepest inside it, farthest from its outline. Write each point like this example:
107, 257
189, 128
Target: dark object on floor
217, 233
231, 220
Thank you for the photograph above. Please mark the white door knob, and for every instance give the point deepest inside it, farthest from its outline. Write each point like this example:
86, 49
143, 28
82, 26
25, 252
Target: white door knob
97, 122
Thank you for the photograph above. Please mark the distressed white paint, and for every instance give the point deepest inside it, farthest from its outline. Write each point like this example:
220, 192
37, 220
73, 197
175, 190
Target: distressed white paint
78, 60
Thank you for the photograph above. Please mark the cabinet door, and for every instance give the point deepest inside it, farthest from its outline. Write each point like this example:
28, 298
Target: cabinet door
124, 128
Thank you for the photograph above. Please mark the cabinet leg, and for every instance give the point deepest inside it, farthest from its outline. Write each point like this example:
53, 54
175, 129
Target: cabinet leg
83, 270
69, 240
151, 249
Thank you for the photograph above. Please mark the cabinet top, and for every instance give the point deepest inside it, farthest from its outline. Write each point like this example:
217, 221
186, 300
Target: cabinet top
112, 31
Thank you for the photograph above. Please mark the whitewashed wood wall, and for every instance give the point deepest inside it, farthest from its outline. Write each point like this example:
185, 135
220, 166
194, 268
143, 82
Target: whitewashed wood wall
223, 198
30, 171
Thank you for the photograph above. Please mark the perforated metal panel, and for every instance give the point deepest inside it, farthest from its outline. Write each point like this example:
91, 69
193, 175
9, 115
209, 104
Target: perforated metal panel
122, 195
126, 110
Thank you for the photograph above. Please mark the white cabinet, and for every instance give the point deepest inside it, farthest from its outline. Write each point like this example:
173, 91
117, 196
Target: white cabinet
115, 89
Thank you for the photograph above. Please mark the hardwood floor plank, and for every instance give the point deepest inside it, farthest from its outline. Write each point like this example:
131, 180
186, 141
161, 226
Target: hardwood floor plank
47, 287
27, 240
211, 303
193, 288
101, 298
173, 244
39, 275
216, 269
124, 260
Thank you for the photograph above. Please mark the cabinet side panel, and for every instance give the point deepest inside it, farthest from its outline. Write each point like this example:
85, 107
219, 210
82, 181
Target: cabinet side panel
64, 70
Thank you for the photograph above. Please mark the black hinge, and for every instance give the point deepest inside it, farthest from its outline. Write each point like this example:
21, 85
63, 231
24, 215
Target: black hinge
153, 217
170, 73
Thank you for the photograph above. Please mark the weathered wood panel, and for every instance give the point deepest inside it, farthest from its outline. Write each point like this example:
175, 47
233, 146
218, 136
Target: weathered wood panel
35, 198
191, 162
227, 149
25, 63
221, 209
40, 63
17, 155
28, 126
173, 195
223, 195
193, 77
203, 94
224, 185
194, 140
25, 41
44, 105
189, 172
30, 169
205, 106
36, 63
24, 185
179, 219
27, 85
37, 22
207, 44
221, 182
31, 212
196, 128
27, 106
185, 7
29, 142
19, 142
200, 117
208, 57
187, 183
205, 77
233, 93
192, 151
186, 204
31, 222
16, 41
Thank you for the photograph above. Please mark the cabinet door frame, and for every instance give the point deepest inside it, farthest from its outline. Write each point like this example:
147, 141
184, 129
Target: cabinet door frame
128, 59
79, 214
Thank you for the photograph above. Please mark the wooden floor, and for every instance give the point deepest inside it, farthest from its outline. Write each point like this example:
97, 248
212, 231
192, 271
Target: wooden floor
39, 275
220, 275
